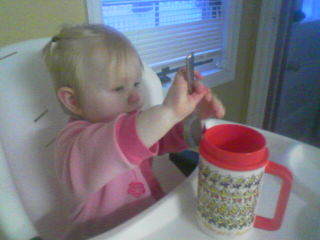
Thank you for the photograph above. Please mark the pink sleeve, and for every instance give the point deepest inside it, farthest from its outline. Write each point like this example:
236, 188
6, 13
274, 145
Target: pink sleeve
91, 155
130, 143
173, 141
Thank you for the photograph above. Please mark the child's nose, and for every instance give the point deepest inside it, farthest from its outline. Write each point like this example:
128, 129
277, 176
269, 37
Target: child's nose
134, 97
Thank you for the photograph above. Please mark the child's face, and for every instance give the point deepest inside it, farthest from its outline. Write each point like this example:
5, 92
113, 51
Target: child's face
110, 88
104, 104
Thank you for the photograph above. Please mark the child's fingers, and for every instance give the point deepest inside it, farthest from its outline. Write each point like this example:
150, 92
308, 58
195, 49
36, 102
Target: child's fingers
197, 97
218, 107
198, 75
198, 86
209, 96
198, 94
183, 72
179, 78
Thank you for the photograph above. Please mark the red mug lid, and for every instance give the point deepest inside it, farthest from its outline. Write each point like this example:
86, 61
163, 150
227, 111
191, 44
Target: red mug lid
234, 147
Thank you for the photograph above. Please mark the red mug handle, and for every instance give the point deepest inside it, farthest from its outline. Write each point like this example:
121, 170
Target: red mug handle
286, 176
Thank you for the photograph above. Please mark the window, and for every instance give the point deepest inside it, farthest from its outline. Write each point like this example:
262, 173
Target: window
138, 15
165, 31
311, 9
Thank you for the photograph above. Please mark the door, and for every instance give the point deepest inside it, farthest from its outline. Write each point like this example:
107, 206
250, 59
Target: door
293, 104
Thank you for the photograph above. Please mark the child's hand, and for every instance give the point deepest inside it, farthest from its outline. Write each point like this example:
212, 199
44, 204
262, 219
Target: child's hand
210, 105
178, 98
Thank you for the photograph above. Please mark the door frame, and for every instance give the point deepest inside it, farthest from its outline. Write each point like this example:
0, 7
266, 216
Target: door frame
272, 34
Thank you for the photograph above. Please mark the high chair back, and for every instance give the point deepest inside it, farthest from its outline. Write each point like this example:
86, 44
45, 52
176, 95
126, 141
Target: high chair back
30, 116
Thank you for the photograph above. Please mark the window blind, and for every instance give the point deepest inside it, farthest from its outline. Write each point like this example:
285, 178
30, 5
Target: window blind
165, 31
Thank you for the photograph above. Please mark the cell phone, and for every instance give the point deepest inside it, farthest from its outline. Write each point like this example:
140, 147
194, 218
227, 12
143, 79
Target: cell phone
190, 71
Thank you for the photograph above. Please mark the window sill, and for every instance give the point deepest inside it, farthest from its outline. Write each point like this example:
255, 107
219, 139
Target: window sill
212, 78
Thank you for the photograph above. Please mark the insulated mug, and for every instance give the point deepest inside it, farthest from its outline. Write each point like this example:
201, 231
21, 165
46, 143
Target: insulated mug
233, 159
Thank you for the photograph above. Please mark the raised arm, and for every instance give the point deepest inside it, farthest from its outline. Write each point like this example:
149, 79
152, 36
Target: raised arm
155, 122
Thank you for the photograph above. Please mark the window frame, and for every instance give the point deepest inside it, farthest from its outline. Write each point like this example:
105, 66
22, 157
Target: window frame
215, 77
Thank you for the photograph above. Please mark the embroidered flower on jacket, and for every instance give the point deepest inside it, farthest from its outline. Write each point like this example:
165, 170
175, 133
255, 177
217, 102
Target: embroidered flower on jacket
136, 189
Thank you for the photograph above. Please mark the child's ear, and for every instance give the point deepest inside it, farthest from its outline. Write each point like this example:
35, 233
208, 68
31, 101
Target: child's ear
68, 98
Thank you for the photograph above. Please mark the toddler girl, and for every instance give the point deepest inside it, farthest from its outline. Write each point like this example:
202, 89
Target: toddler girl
103, 154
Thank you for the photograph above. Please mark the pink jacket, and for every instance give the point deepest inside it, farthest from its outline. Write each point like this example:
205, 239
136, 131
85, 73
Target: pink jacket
105, 171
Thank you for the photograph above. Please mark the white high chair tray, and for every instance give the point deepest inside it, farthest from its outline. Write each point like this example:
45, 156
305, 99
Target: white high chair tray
173, 217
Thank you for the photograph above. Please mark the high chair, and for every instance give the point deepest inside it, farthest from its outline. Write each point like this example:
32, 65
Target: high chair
30, 117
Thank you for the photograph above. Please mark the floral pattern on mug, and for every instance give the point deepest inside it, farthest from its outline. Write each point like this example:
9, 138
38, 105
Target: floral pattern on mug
227, 201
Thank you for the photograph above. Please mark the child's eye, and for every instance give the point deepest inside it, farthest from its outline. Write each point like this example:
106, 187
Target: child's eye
118, 89
136, 84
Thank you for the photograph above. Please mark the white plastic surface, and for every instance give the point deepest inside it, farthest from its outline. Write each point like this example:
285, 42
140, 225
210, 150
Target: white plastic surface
15, 221
174, 216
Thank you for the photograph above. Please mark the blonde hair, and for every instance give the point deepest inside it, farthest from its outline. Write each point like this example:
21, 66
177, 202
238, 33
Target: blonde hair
68, 53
